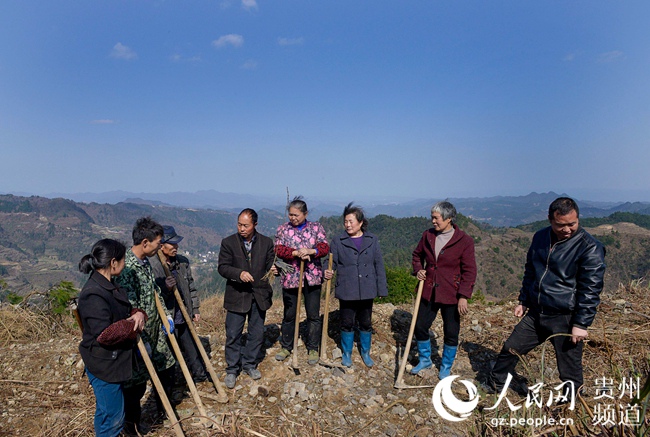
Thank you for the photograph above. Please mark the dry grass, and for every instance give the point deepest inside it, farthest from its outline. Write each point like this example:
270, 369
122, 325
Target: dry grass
617, 349
213, 316
60, 413
49, 404
18, 325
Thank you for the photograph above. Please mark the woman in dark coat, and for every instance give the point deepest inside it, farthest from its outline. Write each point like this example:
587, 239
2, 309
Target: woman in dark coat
360, 277
444, 260
110, 327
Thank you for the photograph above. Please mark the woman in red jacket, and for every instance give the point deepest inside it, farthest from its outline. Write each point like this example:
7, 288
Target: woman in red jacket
444, 260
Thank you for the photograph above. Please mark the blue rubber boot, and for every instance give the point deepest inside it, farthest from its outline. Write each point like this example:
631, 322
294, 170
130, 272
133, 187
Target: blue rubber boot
424, 354
365, 340
448, 357
347, 341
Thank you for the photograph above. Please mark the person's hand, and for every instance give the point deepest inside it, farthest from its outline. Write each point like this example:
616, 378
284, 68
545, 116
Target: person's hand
422, 275
304, 253
328, 274
578, 334
139, 319
520, 310
196, 318
245, 276
170, 282
171, 326
274, 270
462, 306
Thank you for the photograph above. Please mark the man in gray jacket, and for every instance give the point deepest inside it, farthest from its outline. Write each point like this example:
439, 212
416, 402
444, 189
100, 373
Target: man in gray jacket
244, 259
560, 294
181, 277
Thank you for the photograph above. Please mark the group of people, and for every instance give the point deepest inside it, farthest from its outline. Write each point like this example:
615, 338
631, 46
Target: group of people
247, 258
117, 304
560, 293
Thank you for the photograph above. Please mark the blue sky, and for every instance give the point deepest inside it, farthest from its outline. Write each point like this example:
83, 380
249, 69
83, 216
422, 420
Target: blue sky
340, 99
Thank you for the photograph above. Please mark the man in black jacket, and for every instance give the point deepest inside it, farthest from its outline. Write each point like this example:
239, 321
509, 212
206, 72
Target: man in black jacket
181, 277
560, 294
244, 259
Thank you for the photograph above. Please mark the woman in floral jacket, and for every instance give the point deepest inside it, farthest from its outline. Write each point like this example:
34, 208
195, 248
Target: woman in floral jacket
297, 240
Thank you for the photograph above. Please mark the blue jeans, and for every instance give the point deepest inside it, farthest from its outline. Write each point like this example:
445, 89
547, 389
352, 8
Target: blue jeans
109, 407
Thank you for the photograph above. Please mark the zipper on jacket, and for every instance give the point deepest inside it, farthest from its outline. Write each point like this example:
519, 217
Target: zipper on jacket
548, 261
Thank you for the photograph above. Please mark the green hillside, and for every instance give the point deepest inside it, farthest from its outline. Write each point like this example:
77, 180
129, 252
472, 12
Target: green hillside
41, 241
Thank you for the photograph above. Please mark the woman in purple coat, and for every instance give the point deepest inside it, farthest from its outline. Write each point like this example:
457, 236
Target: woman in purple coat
360, 277
444, 260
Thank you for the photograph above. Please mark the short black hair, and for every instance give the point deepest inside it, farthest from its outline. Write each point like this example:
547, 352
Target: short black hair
249, 211
562, 206
146, 228
358, 213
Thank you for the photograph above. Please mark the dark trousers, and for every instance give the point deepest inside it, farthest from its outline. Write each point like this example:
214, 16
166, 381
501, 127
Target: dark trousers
530, 332
167, 379
361, 310
133, 395
189, 349
238, 357
311, 296
427, 313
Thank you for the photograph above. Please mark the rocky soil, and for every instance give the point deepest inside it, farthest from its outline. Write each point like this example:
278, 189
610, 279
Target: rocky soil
43, 391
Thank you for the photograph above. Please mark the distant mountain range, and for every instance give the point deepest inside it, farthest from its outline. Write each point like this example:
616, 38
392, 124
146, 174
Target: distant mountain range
501, 211
42, 239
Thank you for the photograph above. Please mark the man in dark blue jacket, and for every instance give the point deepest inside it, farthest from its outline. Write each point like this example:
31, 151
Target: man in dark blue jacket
560, 294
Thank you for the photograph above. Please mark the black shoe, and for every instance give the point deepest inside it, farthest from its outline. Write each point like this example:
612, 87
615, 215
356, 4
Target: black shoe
159, 418
131, 429
200, 378
519, 386
490, 388
128, 430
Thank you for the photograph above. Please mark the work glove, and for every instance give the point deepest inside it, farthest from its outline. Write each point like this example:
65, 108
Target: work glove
170, 282
171, 326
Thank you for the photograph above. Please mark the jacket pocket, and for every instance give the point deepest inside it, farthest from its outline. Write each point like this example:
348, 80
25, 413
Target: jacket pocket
96, 351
